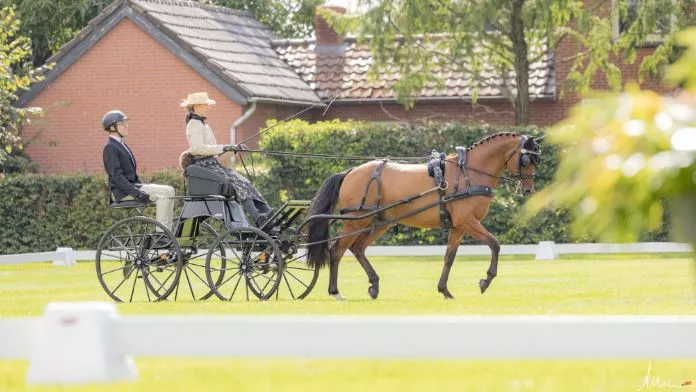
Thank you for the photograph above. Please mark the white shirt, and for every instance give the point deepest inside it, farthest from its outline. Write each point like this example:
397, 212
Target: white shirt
201, 139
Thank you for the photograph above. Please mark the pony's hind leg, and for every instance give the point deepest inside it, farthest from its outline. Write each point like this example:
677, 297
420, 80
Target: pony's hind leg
455, 236
338, 249
480, 233
335, 256
358, 249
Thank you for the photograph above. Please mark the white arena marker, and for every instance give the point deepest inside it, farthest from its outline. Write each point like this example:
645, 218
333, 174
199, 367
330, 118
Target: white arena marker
546, 251
66, 257
77, 343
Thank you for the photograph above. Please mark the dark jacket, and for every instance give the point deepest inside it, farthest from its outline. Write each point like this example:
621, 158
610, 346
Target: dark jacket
120, 165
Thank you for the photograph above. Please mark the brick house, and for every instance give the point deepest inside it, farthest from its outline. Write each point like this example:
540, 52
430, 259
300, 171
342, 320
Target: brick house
143, 56
333, 65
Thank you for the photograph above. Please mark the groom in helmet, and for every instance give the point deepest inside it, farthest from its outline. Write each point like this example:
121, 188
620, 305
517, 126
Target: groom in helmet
120, 165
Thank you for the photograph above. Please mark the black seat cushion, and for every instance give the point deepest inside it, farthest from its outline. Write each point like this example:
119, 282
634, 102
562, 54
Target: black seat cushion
204, 181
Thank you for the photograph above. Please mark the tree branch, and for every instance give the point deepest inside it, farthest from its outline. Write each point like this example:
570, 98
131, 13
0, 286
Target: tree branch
576, 56
482, 82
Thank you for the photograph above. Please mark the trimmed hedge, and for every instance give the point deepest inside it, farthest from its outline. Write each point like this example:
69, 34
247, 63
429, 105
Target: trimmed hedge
42, 212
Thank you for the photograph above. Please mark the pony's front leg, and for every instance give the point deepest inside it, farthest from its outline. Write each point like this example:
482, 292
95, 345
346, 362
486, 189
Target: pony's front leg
455, 236
480, 233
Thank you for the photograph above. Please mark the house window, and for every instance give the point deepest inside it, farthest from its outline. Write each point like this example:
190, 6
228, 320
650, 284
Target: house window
624, 21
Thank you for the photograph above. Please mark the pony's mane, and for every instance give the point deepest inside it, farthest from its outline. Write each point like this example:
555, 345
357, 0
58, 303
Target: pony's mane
491, 137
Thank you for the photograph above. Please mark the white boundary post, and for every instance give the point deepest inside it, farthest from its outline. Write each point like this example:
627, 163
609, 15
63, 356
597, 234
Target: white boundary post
546, 251
66, 257
78, 343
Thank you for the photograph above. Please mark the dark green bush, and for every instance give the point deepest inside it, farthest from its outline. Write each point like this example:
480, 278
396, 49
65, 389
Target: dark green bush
41, 212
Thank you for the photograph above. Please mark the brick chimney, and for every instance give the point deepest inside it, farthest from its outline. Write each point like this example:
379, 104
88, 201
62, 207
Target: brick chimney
324, 33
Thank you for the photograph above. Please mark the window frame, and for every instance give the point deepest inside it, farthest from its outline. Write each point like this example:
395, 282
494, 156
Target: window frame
651, 40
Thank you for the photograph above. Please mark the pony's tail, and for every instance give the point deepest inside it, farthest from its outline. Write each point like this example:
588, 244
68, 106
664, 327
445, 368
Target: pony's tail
324, 203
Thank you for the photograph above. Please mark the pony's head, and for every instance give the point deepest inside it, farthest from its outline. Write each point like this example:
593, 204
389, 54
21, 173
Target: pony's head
523, 160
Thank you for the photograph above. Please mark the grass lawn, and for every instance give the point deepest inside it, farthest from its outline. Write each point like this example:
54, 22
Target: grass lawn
626, 284
259, 375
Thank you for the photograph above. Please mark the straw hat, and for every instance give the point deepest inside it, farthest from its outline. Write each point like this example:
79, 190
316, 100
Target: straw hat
197, 99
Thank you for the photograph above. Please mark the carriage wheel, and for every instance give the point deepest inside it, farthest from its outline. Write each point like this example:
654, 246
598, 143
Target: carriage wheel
298, 278
251, 264
193, 277
137, 263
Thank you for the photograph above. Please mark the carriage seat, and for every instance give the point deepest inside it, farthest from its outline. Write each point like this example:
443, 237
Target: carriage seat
127, 204
203, 181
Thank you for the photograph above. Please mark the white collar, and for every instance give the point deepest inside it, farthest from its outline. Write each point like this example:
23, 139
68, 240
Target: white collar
117, 138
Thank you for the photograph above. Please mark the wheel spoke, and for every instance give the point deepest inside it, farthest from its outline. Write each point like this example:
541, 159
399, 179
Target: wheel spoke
165, 281
189, 284
260, 274
147, 290
125, 278
154, 242
228, 279
269, 282
235, 286
297, 279
285, 278
124, 247
176, 292
299, 268
198, 276
194, 264
141, 245
134, 282
226, 259
113, 270
246, 285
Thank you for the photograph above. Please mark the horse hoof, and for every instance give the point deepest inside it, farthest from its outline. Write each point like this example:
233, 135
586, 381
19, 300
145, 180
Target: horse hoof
373, 291
446, 293
483, 285
338, 297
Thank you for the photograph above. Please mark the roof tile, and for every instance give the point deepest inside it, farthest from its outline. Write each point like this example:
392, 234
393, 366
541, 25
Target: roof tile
234, 44
332, 74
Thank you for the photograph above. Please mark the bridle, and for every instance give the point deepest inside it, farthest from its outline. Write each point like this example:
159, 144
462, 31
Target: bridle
526, 157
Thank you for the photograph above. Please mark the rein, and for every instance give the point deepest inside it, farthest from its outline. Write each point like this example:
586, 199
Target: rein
509, 180
339, 157
512, 181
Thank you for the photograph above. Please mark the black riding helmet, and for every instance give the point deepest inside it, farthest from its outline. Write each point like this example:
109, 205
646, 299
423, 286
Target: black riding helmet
111, 118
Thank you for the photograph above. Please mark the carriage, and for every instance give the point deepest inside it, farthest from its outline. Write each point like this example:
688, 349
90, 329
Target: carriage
213, 251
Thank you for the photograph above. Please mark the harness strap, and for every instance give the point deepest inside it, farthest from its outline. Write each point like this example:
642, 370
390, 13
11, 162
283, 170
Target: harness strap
436, 169
375, 177
445, 219
461, 167
474, 190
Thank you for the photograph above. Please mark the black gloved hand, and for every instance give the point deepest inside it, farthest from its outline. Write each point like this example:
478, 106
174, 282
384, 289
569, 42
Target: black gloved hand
230, 147
143, 198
